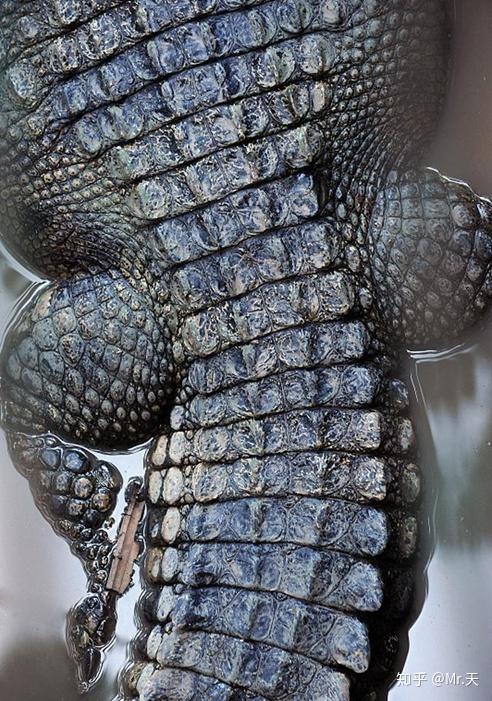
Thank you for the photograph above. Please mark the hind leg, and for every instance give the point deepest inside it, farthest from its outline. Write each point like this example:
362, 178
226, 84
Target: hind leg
87, 362
431, 255
90, 361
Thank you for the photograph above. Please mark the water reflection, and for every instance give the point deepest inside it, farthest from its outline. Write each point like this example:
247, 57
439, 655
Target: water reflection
459, 389
453, 634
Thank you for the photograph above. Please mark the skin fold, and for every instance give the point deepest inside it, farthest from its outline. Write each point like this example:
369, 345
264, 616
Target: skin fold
228, 201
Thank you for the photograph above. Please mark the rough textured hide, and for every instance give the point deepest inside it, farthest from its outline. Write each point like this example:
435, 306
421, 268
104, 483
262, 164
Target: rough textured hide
228, 199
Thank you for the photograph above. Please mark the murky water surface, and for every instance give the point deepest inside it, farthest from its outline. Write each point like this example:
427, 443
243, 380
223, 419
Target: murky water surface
452, 637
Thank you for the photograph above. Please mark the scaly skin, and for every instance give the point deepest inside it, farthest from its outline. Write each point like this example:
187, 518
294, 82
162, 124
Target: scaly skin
228, 199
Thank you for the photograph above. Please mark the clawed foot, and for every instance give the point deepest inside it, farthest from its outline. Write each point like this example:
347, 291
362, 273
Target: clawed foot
77, 493
91, 626
91, 623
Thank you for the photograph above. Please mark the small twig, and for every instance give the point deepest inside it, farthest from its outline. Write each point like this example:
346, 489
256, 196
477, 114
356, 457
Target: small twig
127, 548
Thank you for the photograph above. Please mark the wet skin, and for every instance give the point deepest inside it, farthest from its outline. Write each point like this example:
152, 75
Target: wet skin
228, 200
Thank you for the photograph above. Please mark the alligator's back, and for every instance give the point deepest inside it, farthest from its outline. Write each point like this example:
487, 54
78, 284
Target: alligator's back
119, 117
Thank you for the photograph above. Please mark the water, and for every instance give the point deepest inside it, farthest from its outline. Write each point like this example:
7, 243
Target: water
40, 580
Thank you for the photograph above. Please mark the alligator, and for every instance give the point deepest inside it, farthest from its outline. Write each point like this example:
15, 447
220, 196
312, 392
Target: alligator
228, 202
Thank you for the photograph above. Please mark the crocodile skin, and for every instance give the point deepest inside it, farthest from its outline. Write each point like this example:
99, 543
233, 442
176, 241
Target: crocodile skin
228, 199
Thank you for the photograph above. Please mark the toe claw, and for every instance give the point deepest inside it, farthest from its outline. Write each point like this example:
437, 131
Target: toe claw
91, 625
